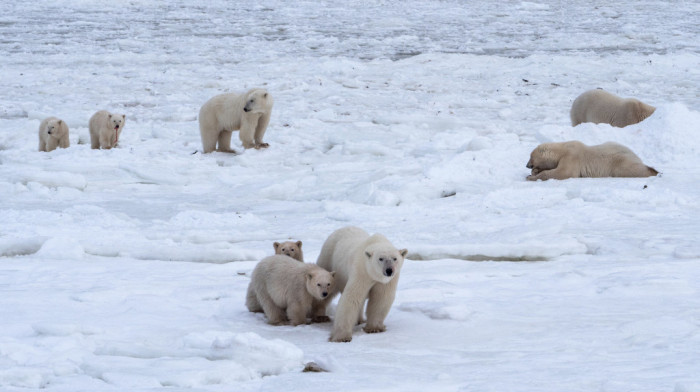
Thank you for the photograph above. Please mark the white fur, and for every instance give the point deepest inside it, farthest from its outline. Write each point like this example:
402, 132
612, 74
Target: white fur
289, 248
599, 106
367, 268
225, 113
53, 132
105, 129
574, 159
284, 288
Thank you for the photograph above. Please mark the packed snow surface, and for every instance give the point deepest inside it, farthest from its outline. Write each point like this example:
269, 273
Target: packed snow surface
126, 269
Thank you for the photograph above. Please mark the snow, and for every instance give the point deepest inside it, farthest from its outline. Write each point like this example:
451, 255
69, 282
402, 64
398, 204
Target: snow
126, 269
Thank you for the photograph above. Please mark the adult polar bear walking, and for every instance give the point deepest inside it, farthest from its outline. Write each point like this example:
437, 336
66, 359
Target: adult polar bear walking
599, 106
366, 267
225, 113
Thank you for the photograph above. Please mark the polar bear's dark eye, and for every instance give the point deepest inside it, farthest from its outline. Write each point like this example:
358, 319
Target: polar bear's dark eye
318, 284
394, 258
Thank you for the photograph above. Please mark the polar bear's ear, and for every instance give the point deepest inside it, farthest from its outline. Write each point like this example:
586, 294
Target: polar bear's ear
369, 255
276, 245
110, 115
265, 96
124, 116
333, 274
60, 122
403, 252
309, 276
299, 244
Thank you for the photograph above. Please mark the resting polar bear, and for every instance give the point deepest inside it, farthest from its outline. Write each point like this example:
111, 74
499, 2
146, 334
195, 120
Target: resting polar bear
366, 268
289, 248
280, 284
225, 113
575, 159
53, 133
599, 106
105, 128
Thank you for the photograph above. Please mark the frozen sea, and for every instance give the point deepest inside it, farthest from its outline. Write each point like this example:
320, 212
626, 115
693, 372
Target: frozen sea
126, 269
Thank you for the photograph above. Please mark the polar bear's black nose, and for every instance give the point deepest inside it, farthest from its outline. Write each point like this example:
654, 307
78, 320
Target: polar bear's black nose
324, 294
49, 132
529, 165
246, 110
388, 272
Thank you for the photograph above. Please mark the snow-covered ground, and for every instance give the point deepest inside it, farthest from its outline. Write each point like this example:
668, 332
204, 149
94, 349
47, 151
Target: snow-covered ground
126, 269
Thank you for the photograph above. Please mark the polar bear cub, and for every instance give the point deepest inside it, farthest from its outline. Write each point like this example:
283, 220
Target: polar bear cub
53, 132
367, 268
221, 115
289, 248
574, 159
599, 106
284, 288
105, 128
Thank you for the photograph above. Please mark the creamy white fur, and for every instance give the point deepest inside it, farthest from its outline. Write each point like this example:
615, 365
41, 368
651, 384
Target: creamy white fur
574, 159
367, 268
289, 248
221, 115
283, 288
53, 132
105, 129
599, 106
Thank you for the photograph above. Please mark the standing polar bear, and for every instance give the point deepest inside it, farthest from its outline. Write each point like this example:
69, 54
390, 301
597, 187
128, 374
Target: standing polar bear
284, 288
53, 132
105, 128
574, 159
599, 106
225, 113
367, 268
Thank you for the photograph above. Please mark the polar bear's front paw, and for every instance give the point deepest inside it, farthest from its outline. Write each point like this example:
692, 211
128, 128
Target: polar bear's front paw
340, 338
261, 145
374, 329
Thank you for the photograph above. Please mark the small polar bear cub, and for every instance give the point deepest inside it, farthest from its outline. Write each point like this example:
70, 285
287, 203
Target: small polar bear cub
367, 268
574, 159
284, 288
53, 132
599, 106
289, 248
221, 115
105, 128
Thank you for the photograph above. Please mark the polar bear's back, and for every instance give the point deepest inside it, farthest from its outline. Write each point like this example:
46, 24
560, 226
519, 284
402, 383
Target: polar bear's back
339, 252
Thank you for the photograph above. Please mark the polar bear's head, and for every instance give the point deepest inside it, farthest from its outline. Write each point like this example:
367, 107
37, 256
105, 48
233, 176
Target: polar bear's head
289, 248
320, 283
116, 121
544, 157
257, 101
56, 128
384, 262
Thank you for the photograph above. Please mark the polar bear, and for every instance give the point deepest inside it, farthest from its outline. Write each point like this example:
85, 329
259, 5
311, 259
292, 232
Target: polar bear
53, 132
225, 113
599, 106
105, 128
284, 288
575, 159
367, 268
289, 248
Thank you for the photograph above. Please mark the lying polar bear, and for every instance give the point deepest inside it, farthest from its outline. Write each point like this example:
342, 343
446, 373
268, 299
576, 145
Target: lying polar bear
599, 106
574, 159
